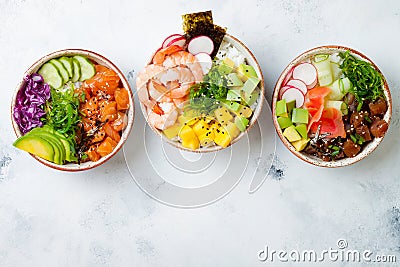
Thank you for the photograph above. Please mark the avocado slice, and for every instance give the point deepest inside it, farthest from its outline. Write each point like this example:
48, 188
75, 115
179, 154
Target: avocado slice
291, 134
68, 147
281, 108
302, 130
241, 123
36, 146
300, 115
246, 71
284, 122
59, 151
231, 105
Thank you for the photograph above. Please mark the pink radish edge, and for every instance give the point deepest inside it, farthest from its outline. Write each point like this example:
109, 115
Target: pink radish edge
288, 77
299, 84
169, 39
307, 73
180, 41
283, 89
294, 94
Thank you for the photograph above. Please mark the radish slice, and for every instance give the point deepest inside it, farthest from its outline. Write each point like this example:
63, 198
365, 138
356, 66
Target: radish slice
307, 73
170, 38
283, 89
288, 77
299, 85
205, 61
180, 41
294, 94
201, 44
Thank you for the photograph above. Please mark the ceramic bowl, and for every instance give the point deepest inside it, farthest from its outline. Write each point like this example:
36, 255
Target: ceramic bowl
99, 59
251, 60
371, 146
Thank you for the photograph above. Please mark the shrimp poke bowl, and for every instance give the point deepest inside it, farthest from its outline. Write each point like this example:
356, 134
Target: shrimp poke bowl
203, 89
73, 110
331, 106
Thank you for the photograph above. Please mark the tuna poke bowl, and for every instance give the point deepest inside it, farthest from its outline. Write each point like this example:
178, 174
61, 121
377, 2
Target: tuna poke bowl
202, 89
73, 110
331, 106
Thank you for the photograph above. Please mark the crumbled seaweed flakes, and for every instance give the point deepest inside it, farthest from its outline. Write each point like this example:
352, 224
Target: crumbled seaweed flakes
201, 23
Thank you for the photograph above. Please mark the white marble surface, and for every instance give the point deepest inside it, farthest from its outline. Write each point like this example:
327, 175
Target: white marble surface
102, 218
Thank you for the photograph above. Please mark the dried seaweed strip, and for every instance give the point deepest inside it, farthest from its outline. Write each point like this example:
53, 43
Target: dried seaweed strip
201, 20
217, 35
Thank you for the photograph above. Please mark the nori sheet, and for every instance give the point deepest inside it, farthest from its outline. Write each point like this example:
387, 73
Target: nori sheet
201, 23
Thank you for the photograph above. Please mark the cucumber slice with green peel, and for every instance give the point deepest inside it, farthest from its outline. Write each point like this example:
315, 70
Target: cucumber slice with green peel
51, 75
67, 63
87, 68
77, 70
63, 71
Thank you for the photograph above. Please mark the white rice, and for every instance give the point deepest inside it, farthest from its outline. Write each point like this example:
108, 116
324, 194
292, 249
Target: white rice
227, 50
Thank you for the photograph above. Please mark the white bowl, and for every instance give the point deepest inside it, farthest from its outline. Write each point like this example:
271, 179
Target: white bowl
312, 159
102, 61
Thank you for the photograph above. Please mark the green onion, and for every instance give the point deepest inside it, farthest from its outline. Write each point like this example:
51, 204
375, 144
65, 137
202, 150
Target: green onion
353, 138
335, 153
368, 119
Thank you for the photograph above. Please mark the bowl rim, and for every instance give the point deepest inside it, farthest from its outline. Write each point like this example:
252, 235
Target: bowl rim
73, 167
314, 160
256, 112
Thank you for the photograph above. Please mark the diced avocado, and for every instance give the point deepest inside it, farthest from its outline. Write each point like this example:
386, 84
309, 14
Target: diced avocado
200, 127
241, 123
231, 105
291, 134
281, 108
232, 79
300, 144
227, 66
246, 71
172, 131
189, 138
290, 106
222, 138
250, 99
244, 111
302, 130
36, 146
300, 115
223, 115
233, 95
284, 122
250, 85
232, 129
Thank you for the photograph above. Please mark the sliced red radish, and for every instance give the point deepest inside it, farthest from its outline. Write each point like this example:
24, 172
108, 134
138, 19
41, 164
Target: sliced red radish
294, 94
299, 85
181, 41
170, 38
307, 73
205, 61
201, 44
288, 77
283, 89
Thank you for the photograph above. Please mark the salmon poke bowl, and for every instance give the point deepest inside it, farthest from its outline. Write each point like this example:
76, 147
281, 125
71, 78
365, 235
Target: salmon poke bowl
331, 106
202, 89
73, 110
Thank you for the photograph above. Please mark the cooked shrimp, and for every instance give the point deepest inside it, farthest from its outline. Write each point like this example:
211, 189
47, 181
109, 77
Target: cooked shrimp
179, 79
142, 80
162, 53
167, 119
157, 91
186, 59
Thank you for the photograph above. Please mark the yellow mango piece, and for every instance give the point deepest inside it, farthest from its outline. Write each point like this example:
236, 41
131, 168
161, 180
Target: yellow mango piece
232, 129
187, 120
200, 127
222, 137
191, 144
206, 138
244, 111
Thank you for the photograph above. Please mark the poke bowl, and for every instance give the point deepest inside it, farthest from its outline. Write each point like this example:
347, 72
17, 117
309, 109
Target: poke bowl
331, 106
202, 90
73, 110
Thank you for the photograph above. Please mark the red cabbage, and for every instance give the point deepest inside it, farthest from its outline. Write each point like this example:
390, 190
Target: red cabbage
29, 103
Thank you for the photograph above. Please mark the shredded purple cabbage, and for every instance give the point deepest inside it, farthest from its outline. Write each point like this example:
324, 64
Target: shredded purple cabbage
29, 103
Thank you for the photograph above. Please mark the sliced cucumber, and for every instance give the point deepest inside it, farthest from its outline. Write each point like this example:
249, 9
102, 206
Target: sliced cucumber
77, 70
51, 75
87, 68
63, 71
67, 63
